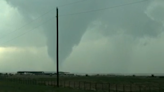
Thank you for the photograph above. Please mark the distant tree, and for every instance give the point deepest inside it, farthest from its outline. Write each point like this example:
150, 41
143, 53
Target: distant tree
134, 75
86, 75
10, 74
152, 75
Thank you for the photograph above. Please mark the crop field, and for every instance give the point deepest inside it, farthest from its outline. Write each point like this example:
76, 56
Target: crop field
85, 84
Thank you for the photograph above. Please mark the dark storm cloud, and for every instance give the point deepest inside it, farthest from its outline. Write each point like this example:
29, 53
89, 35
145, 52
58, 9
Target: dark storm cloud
131, 18
71, 28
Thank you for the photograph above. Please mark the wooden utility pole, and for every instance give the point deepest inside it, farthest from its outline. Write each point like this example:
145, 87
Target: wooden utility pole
57, 44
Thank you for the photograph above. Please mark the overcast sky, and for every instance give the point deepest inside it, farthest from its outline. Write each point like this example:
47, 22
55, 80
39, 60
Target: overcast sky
124, 39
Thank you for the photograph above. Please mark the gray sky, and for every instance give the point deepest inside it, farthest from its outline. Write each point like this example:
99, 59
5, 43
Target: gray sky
125, 39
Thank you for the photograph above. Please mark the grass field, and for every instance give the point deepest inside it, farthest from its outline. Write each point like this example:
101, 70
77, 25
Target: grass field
122, 83
7, 86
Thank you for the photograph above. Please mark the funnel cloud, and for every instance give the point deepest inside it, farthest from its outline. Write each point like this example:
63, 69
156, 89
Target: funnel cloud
123, 39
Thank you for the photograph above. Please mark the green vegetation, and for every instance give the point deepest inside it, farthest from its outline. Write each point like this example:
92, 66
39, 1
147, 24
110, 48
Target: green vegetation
7, 86
114, 79
38, 84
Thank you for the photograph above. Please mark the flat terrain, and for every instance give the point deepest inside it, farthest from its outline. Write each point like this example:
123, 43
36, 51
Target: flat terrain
7, 86
82, 83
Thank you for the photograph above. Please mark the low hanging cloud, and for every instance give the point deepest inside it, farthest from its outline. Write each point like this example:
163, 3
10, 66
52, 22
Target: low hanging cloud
25, 59
154, 11
119, 53
33, 9
21, 48
104, 53
15, 31
122, 47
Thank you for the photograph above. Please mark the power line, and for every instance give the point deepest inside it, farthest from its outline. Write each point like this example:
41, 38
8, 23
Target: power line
40, 17
24, 25
104, 8
28, 31
71, 3
74, 13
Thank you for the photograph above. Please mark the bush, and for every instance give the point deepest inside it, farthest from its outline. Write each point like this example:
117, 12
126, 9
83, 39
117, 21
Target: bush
152, 75
86, 75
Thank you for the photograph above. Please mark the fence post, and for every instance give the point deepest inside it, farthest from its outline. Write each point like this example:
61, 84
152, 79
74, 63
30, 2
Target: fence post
109, 87
40, 82
123, 86
52, 82
139, 88
32, 81
49, 83
149, 88
26, 81
60, 83
90, 86
71, 84
63, 83
130, 87
84, 86
95, 86
68, 83
74, 84
79, 84
116, 88
159, 88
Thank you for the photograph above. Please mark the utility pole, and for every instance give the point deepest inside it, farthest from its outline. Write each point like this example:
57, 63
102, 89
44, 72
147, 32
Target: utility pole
57, 44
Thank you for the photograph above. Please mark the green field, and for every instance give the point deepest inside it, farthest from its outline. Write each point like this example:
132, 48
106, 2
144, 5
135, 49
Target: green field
75, 83
7, 86
106, 79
